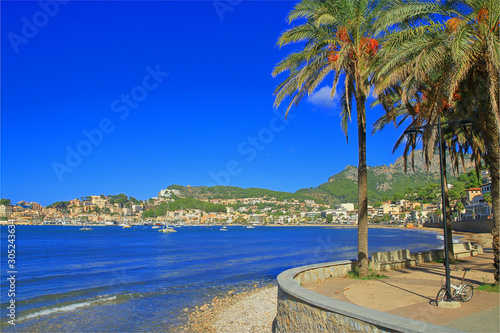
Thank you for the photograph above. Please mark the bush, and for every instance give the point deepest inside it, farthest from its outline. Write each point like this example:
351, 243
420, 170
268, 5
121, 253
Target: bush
354, 274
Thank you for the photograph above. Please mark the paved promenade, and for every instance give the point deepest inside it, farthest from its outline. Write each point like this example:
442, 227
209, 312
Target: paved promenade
411, 293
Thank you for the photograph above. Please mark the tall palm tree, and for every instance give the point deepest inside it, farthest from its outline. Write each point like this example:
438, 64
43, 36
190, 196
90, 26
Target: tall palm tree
460, 40
338, 39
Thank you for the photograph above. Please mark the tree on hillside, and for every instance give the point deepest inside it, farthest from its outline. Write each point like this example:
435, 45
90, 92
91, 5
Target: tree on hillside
337, 38
5, 202
448, 54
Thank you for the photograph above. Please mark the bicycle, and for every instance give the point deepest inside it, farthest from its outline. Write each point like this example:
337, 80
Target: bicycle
464, 290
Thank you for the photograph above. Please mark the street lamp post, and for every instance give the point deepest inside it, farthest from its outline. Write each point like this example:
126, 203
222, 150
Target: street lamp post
418, 130
446, 254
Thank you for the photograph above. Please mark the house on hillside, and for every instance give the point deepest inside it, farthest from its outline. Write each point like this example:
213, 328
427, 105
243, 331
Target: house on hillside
477, 207
387, 209
257, 218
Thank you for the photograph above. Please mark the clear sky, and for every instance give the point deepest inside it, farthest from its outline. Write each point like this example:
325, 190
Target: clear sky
130, 97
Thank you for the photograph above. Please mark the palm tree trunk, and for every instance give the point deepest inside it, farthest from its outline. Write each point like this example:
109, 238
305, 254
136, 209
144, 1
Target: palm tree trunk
362, 187
492, 159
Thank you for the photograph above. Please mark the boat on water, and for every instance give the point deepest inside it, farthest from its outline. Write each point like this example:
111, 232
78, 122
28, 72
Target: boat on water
86, 229
126, 226
250, 227
85, 226
155, 227
224, 228
166, 228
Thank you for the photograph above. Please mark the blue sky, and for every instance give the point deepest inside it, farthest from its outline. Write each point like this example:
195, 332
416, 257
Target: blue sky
130, 97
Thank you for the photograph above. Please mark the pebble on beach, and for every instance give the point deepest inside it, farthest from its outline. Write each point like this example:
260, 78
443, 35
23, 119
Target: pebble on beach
251, 311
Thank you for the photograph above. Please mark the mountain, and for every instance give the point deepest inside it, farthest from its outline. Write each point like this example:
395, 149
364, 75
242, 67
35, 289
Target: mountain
383, 181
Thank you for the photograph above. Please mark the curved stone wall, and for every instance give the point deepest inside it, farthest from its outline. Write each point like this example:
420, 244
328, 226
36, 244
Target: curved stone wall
302, 310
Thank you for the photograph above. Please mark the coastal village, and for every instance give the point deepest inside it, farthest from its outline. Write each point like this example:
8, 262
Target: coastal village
105, 210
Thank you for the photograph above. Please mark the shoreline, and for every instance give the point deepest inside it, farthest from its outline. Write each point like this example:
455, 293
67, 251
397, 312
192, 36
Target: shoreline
484, 239
254, 310
246, 311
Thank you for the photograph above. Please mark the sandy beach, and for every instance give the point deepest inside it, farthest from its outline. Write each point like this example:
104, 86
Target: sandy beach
254, 311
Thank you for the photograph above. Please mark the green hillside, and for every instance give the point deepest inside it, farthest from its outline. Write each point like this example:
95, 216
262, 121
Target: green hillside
234, 192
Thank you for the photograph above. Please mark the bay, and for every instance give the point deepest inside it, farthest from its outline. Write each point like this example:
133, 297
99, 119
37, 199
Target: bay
136, 279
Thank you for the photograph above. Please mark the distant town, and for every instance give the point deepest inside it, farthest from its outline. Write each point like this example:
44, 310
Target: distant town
171, 207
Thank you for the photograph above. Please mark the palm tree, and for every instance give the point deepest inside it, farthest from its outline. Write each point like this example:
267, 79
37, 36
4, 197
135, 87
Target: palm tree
337, 38
462, 46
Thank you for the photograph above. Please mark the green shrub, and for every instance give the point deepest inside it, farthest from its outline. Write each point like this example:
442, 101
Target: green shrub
354, 274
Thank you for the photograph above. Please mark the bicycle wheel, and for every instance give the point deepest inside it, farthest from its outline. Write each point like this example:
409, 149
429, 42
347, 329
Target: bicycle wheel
441, 296
466, 292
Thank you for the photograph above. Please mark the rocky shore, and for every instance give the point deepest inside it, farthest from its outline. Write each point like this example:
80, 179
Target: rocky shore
250, 311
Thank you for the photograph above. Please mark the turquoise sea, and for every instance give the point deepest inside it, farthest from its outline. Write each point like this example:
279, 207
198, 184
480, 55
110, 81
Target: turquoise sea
112, 279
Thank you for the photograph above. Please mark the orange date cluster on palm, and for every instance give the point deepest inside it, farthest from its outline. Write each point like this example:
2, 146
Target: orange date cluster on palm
368, 45
343, 35
453, 23
333, 54
483, 17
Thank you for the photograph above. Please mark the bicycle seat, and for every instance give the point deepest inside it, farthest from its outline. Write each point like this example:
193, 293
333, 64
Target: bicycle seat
466, 269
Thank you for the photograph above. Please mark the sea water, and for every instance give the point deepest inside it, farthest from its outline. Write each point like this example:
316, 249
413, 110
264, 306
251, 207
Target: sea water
138, 279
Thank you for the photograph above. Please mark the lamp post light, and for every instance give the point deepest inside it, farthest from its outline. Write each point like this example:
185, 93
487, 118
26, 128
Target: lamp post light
419, 130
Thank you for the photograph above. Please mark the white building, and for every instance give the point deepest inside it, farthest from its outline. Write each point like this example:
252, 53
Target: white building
137, 208
347, 206
338, 212
168, 193
311, 215
478, 208
420, 215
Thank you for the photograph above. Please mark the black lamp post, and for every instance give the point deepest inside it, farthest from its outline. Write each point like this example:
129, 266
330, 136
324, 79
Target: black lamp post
419, 130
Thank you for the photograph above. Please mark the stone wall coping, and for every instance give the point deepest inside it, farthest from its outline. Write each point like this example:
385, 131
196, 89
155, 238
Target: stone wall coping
286, 281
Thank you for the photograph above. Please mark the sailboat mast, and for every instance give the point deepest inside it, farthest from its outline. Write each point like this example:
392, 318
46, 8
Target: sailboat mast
166, 215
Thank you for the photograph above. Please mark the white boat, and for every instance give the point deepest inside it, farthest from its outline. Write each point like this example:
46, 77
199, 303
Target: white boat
166, 228
155, 227
250, 227
224, 228
85, 227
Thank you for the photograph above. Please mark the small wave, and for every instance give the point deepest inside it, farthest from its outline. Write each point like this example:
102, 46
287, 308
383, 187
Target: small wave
455, 240
68, 307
